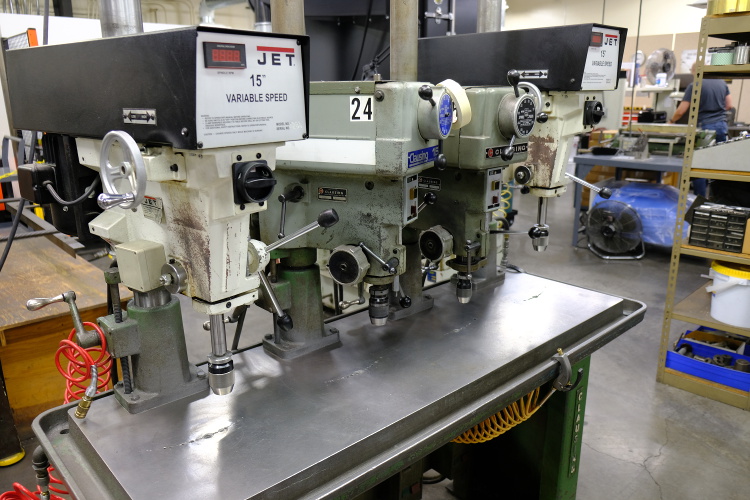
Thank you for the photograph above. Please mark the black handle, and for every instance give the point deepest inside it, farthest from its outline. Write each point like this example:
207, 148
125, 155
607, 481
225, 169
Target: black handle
514, 78
425, 92
285, 322
328, 218
441, 161
507, 152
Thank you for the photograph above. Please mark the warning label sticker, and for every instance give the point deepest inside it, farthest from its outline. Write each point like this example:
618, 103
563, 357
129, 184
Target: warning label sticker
153, 208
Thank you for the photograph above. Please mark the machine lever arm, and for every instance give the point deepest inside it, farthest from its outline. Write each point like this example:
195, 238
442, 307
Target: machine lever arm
429, 199
345, 304
514, 77
106, 200
293, 195
506, 152
284, 321
327, 218
425, 93
389, 267
83, 337
604, 192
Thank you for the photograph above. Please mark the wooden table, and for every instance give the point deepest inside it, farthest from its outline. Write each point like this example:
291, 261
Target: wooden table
29, 340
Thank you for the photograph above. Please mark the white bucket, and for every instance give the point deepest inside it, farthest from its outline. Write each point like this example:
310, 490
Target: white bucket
730, 293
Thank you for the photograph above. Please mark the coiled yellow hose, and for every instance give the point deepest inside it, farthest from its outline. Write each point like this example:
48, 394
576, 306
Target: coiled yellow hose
506, 419
505, 195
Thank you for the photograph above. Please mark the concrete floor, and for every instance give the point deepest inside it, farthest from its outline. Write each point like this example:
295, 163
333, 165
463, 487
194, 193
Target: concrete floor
642, 440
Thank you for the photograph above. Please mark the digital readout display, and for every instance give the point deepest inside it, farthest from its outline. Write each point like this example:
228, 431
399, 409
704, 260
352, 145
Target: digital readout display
597, 39
224, 55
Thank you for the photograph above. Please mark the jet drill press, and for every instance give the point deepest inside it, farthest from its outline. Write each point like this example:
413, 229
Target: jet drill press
186, 149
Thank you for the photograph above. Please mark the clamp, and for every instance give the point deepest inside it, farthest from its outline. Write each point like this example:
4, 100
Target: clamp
562, 382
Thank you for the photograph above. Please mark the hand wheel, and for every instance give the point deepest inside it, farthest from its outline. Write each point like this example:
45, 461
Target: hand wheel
124, 180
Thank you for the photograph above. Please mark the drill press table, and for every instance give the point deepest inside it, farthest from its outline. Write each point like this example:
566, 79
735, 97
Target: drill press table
334, 424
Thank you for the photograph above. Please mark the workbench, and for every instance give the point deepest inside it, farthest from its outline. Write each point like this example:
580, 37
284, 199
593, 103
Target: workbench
335, 424
585, 162
29, 339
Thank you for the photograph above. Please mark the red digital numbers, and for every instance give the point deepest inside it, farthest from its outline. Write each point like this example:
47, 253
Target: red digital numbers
223, 55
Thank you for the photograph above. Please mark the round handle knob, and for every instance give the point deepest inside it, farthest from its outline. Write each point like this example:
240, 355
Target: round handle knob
285, 322
522, 175
328, 218
514, 77
441, 162
425, 92
542, 117
506, 153
38, 303
124, 177
430, 198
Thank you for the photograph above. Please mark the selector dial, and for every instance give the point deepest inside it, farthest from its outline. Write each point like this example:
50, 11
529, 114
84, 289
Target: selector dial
435, 113
516, 116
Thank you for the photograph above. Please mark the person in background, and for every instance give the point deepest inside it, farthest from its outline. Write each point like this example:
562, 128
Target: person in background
715, 102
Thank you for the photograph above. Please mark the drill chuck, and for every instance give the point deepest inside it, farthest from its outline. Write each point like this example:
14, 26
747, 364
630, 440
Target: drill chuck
379, 305
221, 376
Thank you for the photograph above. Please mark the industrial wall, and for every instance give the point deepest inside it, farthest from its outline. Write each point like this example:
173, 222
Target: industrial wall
176, 12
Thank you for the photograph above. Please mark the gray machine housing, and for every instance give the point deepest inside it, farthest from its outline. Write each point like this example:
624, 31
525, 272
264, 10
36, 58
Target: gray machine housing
485, 58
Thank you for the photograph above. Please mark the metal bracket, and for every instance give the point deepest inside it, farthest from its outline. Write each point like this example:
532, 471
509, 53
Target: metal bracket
562, 382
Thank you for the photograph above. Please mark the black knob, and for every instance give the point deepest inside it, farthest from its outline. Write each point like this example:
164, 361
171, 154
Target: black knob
593, 111
605, 193
538, 232
294, 195
441, 161
285, 322
39, 460
405, 301
514, 77
506, 153
328, 218
425, 92
253, 182
430, 198
542, 117
522, 175
525, 190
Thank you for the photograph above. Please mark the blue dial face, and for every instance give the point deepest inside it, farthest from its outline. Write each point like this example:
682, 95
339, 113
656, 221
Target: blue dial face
445, 114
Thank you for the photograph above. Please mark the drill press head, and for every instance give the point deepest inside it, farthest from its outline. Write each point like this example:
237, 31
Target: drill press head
185, 148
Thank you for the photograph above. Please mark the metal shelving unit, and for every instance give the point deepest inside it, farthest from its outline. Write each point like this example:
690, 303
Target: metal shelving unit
695, 308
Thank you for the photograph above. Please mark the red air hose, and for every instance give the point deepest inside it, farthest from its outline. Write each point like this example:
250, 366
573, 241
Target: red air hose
80, 361
77, 376
21, 493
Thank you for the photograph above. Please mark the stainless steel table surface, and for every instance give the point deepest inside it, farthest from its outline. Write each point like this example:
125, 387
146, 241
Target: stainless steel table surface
335, 423
585, 162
